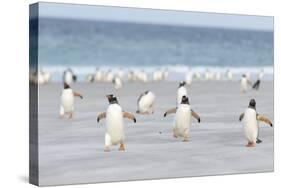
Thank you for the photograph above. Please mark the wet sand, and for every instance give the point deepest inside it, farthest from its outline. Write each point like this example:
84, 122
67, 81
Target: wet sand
71, 151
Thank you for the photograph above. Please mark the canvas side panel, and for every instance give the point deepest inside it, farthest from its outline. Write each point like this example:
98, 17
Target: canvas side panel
33, 94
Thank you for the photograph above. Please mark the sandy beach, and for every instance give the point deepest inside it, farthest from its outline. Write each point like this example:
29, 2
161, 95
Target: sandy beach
71, 150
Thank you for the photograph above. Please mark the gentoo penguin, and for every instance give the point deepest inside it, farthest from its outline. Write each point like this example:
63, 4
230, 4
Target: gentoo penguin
250, 120
117, 82
142, 76
114, 123
98, 75
158, 75
166, 74
109, 76
244, 83
181, 91
40, 77
217, 76
146, 103
130, 76
260, 75
120, 73
182, 121
46, 77
89, 78
197, 75
69, 77
67, 101
229, 75
208, 75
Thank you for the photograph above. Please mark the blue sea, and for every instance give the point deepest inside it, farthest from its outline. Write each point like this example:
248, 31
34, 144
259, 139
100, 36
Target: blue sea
85, 45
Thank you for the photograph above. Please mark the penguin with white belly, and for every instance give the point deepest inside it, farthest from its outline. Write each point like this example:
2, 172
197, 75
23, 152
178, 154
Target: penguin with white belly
250, 120
229, 75
118, 84
67, 101
244, 83
146, 103
181, 91
114, 118
182, 121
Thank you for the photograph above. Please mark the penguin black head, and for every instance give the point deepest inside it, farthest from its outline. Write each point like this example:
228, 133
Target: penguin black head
184, 100
244, 75
66, 86
252, 104
74, 77
182, 83
112, 99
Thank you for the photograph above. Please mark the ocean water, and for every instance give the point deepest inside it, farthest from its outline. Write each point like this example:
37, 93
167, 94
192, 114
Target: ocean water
85, 45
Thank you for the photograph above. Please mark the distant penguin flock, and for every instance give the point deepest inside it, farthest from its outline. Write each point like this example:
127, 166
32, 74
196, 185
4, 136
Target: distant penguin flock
118, 77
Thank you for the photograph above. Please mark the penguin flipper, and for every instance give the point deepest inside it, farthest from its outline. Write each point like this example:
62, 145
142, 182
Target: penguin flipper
264, 119
101, 116
129, 116
172, 110
241, 117
76, 94
196, 116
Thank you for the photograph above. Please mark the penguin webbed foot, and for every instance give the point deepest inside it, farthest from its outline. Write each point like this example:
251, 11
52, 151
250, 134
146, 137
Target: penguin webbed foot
258, 141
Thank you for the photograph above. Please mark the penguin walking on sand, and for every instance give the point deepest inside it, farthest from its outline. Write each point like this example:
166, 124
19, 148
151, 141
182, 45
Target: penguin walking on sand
250, 120
181, 91
118, 84
98, 75
114, 123
244, 83
229, 75
146, 103
67, 101
69, 77
182, 120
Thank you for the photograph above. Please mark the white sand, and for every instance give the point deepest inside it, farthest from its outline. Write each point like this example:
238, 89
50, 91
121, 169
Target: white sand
71, 151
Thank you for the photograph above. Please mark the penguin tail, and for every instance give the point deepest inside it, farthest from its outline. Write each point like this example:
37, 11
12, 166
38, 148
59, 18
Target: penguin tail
258, 141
